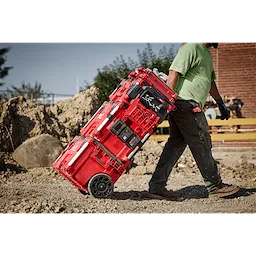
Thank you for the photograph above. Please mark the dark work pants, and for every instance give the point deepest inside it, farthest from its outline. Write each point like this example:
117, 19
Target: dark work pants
187, 128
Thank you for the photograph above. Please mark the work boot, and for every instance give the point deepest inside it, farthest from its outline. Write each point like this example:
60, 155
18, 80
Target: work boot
224, 190
163, 193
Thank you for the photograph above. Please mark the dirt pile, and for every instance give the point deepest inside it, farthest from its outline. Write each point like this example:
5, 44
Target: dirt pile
146, 160
21, 119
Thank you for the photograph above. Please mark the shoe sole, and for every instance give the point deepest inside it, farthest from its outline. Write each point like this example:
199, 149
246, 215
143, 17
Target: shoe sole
220, 195
159, 197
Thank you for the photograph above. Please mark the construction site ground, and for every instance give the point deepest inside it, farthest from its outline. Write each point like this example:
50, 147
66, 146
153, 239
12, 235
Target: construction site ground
42, 190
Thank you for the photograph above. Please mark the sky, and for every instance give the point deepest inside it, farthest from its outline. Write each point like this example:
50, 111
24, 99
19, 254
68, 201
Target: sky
62, 68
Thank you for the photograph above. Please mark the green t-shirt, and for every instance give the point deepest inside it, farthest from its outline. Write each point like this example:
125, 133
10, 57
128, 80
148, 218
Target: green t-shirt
194, 63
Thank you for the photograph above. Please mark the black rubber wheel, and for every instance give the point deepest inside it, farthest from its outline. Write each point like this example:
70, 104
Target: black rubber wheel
101, 185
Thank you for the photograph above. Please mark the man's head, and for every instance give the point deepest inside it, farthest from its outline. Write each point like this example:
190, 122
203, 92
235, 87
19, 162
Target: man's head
209, 45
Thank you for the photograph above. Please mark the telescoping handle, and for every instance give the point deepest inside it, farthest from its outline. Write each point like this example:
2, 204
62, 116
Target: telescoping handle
149, 76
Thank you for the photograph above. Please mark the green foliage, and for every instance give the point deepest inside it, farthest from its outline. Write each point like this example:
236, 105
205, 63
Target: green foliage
110, 76
4, 71
108, 79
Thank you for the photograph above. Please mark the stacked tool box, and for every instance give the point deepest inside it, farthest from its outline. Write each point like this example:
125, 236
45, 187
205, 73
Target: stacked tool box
95, 160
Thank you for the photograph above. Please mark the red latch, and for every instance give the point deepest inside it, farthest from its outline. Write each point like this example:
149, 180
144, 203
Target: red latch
196, 109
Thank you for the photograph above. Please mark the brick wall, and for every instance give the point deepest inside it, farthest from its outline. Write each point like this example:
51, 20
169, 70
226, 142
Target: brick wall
235, 68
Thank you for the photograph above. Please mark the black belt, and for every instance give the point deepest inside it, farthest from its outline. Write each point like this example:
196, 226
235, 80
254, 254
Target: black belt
194, 104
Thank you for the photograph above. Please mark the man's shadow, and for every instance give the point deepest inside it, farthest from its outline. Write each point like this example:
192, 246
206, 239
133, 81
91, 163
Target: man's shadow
190, 192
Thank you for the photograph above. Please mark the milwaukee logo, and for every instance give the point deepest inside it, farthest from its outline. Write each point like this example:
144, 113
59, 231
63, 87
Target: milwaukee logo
150, 102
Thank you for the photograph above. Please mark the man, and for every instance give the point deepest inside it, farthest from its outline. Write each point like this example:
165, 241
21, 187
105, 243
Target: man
191, 76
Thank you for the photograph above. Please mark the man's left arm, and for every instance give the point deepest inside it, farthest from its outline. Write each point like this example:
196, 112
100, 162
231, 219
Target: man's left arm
214, 92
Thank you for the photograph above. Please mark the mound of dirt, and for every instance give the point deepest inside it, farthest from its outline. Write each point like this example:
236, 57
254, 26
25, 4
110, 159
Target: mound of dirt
22, 119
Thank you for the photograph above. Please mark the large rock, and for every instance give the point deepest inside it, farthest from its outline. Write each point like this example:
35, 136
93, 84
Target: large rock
40, 151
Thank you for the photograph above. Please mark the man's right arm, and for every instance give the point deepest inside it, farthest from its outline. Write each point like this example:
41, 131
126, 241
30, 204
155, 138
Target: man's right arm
172, 79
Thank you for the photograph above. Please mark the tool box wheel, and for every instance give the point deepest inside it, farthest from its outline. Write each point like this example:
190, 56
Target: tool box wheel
101, 185
83, 192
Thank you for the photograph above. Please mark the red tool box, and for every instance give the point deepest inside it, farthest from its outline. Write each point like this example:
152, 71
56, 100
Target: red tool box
95, 160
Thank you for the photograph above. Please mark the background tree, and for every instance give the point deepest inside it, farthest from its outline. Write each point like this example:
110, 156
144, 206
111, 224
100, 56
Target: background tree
110, 76
27, 90
4, 71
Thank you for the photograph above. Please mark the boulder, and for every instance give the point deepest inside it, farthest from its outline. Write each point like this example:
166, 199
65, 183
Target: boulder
39, 151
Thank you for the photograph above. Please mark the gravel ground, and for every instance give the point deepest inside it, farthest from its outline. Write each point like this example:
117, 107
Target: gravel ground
42, 190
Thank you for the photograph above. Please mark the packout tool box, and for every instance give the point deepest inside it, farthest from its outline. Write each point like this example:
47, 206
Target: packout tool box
94, 160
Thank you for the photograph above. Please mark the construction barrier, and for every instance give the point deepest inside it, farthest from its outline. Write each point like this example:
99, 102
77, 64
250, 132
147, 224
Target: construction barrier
234, 129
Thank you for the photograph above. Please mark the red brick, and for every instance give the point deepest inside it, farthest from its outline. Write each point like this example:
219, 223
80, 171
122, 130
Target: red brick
235, 68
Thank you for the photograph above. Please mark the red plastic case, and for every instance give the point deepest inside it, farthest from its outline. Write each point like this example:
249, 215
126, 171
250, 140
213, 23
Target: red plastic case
95, 160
